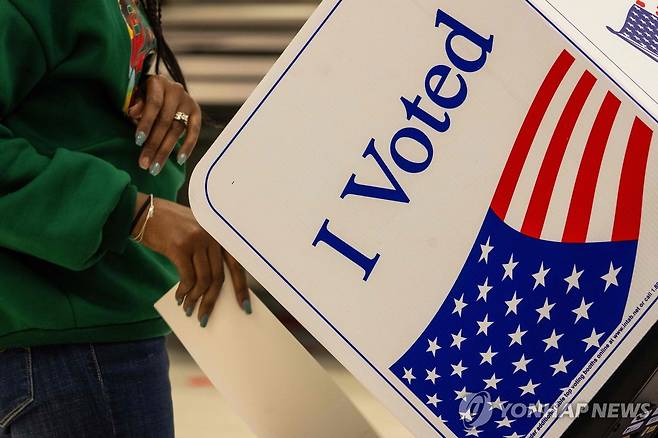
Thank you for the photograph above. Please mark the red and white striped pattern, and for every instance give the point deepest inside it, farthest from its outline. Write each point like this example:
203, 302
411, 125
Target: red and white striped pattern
577, 168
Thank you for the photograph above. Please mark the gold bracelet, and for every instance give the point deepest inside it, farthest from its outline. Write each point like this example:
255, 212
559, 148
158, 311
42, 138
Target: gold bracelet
149, 214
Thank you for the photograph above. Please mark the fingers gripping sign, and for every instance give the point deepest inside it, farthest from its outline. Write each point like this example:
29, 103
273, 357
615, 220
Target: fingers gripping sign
200, 261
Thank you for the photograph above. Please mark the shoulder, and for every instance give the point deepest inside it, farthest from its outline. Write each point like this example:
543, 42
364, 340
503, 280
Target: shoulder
59, 24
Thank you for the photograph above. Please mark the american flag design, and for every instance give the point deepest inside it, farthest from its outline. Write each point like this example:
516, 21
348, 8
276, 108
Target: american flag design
641, 28
548, 276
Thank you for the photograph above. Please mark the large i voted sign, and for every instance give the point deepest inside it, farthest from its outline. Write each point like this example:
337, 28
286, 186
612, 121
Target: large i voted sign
455, 200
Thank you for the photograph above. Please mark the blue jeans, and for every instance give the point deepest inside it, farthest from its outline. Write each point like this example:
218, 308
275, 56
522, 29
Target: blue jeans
86, 390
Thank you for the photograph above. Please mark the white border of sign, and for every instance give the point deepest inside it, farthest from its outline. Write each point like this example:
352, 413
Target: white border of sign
301, 295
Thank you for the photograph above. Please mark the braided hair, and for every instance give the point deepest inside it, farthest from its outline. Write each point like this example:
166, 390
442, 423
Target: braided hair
164, 54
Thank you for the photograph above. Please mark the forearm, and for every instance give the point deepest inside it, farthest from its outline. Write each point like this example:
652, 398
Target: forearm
68, 208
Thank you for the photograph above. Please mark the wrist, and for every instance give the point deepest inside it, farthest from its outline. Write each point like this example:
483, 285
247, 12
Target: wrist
144, 214
139, 202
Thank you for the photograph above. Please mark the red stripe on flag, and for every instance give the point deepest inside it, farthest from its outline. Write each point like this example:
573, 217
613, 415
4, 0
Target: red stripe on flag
535, 216
628, 213
512, 171
582, 198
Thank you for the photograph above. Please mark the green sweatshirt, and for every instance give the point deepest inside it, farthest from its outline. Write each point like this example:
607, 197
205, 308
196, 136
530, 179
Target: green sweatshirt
69, 176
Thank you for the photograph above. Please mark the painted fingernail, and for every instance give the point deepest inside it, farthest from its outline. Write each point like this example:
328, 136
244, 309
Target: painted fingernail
144, 162
140, 138
179, 301
204, 321
155, 169
246, 306
189, 311
182, 158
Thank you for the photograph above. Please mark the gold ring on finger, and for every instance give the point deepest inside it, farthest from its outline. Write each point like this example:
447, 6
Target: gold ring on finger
182, 117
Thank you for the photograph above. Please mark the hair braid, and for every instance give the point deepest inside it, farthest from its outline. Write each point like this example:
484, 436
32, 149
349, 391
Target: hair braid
164, 53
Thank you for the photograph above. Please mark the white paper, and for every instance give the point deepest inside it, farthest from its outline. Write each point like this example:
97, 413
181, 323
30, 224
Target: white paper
267, 377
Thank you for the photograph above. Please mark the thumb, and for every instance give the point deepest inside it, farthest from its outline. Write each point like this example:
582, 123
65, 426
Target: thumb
135, 111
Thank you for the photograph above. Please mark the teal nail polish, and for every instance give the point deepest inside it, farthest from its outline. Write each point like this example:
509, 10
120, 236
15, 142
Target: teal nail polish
189, 311
179, 301
246, 306
204, 321
155, 169
182, 158
140, 138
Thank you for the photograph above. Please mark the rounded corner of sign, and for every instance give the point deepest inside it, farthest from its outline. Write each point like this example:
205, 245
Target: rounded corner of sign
198, 194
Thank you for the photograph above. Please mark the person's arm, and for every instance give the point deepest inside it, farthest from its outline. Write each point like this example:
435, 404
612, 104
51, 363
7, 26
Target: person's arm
68, 208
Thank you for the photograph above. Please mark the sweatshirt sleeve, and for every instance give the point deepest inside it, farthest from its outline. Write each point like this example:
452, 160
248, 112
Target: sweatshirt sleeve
68, 208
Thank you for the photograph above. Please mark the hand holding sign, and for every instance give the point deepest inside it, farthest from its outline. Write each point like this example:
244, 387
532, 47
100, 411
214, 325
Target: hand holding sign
174, 232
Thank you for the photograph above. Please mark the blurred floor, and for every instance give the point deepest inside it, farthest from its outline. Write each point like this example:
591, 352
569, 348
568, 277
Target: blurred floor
201, 412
